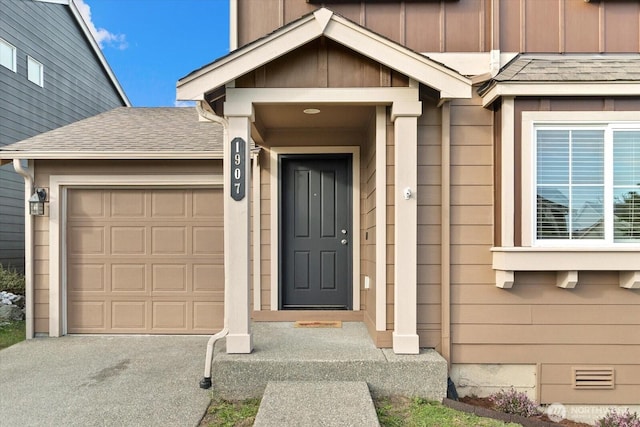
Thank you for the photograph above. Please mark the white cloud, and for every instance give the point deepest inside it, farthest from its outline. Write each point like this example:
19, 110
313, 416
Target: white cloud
102, 36
184, 104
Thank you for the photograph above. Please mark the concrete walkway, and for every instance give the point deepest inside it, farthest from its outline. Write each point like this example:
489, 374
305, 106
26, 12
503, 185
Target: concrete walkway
103, 381
317, 404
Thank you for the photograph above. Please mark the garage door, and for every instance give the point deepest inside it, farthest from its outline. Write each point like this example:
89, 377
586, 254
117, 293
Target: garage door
144, 261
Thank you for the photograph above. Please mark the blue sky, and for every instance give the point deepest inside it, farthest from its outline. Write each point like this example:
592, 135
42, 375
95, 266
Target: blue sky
150, 44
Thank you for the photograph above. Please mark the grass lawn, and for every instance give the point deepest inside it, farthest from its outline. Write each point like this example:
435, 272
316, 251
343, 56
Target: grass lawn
392, 412
11, 333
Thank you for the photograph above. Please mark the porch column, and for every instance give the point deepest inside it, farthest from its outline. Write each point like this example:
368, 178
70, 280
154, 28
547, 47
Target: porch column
405, 117
236, 233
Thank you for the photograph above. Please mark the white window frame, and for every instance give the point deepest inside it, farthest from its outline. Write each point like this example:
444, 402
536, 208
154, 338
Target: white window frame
607, 121
567, 260
14, 66
30, 61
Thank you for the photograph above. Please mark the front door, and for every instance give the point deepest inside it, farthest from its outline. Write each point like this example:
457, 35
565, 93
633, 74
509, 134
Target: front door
315, 226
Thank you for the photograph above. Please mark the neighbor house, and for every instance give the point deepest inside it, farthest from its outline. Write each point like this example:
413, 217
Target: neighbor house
52, 73
455, 174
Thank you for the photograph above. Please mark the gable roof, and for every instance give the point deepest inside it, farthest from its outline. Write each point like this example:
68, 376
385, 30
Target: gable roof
566, 74
94, 45
126, 133
323, 22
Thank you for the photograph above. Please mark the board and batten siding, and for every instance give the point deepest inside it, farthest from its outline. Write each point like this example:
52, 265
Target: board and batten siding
560, 26
76, 86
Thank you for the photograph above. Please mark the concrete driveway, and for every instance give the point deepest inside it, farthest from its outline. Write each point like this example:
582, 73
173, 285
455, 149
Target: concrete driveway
103, 381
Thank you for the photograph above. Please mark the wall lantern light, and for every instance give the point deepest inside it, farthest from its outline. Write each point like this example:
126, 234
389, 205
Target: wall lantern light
37, 201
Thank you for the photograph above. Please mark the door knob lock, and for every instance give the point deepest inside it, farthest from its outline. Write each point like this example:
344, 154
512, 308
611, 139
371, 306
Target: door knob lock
343, 241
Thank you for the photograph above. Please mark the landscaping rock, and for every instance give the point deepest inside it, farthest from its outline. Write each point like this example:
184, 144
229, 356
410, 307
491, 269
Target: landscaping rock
11, 312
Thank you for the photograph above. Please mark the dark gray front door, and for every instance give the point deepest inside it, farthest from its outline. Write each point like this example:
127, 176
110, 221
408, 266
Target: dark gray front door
315, 227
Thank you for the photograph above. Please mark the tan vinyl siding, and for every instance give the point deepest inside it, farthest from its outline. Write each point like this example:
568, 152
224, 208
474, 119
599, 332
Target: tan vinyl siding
368, 224
569, 25
429, 230
390, 223
45, 168
595, 324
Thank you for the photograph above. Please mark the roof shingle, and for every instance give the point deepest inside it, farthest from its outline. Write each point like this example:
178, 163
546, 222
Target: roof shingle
129, 130
571, 68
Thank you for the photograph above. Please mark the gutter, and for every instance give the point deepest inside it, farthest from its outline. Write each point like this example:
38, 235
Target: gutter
28, 247
206, 380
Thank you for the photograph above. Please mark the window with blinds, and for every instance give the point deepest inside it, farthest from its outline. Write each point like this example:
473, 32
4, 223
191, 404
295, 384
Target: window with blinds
587, 183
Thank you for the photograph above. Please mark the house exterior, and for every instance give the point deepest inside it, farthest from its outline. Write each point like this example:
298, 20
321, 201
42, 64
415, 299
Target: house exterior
58, 65
460, 175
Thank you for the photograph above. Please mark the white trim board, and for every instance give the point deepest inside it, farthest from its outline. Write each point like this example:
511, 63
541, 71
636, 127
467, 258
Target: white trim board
275, 153
58, 185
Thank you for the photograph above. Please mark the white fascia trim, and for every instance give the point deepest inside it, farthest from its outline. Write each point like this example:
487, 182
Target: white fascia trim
561, 89
527, 155
246, 59
65, 2
112, 155
275, 212
58, 185
98, 51
450, 83
355, 96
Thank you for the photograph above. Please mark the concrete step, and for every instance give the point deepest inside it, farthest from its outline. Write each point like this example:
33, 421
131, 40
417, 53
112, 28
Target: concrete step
316, 403
284, 353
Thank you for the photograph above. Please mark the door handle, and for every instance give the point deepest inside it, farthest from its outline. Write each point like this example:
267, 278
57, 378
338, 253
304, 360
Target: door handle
343, 241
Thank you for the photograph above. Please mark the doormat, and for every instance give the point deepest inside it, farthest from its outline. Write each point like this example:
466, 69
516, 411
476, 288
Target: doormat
318, 324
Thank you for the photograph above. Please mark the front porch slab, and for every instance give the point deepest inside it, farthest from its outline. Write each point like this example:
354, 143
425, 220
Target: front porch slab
284, 353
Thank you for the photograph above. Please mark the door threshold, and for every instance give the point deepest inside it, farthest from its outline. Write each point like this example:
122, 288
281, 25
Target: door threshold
307, 315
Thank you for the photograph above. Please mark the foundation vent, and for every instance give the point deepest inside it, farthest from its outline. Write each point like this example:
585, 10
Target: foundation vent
593, 378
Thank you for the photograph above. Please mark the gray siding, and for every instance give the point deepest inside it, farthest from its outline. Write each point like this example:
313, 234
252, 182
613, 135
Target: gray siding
75, 87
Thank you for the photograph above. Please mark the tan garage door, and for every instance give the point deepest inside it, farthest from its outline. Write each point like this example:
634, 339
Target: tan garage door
144, 261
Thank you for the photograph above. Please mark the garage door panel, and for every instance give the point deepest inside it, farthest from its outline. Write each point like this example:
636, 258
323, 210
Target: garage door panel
128, 204
87, 277
169, 240
207, 204
152, 263
169, 278
208, 277
128, 240
86, 240
206, 314
87, 315
169, 204
128, 278
130, 315
170, 315
86, 204
207, 240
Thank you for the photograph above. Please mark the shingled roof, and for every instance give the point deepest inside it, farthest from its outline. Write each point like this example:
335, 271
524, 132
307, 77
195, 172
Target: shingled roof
127, 132
571, 68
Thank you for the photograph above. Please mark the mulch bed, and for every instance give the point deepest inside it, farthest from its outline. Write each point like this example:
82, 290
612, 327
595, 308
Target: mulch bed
483, 407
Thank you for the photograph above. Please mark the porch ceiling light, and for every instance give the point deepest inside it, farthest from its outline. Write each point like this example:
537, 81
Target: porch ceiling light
311, 111
37, 201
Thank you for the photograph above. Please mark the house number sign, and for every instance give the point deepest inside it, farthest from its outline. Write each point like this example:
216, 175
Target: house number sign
238, 181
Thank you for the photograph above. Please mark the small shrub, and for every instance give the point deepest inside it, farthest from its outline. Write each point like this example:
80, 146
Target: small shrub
11, 281
615, 419
514, 402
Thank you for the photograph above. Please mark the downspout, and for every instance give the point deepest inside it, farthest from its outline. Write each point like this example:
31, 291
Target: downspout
206, 380
28, 246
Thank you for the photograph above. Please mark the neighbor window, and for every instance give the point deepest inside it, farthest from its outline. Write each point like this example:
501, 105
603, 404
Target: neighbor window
35, 71
7, 55
587, 184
